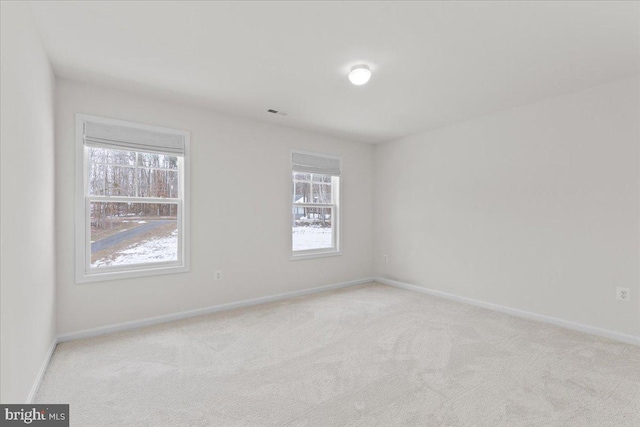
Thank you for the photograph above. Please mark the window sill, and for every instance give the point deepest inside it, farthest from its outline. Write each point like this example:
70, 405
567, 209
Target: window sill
130, 274
311, 255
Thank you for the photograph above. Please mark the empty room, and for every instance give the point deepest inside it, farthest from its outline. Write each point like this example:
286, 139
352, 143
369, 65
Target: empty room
320, 213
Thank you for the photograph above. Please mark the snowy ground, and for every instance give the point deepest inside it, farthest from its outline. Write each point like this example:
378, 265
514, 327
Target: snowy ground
159, 249
311, 238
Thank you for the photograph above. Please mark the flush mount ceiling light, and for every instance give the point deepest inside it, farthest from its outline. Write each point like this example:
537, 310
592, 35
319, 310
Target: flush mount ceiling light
360, 74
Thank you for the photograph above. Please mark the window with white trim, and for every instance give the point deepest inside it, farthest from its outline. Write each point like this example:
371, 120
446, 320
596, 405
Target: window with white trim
132, 199
316, 203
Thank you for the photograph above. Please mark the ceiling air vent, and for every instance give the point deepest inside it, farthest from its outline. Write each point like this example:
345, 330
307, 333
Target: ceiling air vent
280, 113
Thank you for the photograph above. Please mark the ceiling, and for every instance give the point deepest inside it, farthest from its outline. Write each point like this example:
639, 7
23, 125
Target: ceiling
433, 63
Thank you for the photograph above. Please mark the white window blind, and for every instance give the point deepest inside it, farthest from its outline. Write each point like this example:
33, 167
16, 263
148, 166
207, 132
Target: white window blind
316, 164
135, 139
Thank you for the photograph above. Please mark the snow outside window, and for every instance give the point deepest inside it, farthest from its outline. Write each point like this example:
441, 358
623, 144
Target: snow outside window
315, 204
133, 210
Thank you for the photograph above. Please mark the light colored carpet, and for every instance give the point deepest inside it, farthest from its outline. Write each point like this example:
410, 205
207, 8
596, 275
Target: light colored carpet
361, 356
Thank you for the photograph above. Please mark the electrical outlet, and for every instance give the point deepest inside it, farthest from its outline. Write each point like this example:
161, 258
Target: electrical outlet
622, 294
385, 258
217, 275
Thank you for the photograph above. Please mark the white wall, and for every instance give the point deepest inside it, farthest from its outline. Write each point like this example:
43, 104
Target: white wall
240, 212
27, 272
534, 208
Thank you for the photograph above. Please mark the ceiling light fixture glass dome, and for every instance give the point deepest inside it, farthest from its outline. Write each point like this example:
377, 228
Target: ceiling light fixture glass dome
360, 74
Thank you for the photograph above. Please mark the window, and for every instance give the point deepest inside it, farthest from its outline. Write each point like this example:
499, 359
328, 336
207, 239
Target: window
315, 209
132, 199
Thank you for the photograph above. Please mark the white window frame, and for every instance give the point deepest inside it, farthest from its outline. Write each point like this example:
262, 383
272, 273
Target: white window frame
336, 250
84, 274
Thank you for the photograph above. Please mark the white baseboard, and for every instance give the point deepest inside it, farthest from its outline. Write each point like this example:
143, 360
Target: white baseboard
618, 336
85, 333
43, 369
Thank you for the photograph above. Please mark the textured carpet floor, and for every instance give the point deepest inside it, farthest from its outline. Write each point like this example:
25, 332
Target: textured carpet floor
361, 356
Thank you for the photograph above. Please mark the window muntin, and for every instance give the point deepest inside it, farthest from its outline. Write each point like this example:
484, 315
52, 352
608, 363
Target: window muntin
315, 215
134, 205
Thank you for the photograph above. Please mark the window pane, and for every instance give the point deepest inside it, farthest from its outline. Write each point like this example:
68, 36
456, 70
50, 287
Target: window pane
312, 228
108, 180
321, 178
157, 183
301, 176
321, 193
116, 157
151, 160
133, 233
301, 192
